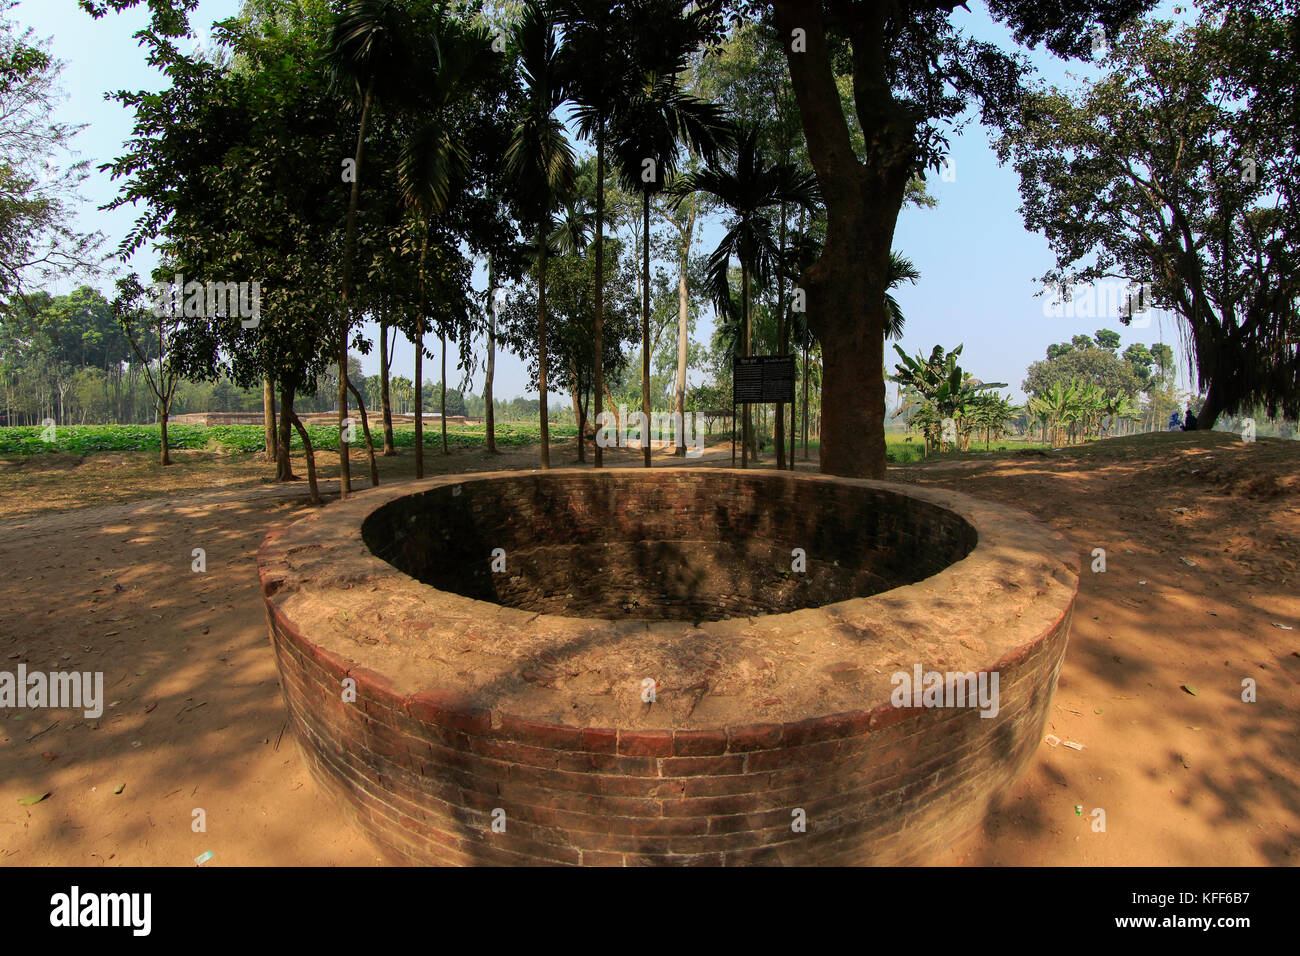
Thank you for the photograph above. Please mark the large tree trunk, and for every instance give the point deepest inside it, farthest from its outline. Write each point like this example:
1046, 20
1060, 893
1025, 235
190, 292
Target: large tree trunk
1213, 407
598, 326
268, 415
345, 323
845, 289
645, 327
385, 402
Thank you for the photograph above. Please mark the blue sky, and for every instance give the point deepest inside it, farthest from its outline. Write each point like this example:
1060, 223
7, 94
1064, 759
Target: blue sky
978, 263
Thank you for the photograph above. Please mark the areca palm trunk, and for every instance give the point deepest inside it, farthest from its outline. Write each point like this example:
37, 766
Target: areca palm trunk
419, 366
746, 431
385, 402
443, 409
805, 399
779, 435
683, 337
489, 412
645, 326
597, 345
349, 250
541, 343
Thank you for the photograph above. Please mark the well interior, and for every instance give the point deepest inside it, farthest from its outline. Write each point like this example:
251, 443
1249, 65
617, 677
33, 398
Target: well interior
702, 547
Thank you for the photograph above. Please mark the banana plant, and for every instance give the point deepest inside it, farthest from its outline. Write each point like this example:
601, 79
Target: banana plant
939, 384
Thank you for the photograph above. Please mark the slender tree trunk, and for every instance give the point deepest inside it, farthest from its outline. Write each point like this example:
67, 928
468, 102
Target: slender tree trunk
683, 332
645, 326
747, 445
419, 397
268, 415
165, 458
489, 410
365, 428
805, 401
312, 487
781, 331
419, 365
345, 323
612, 411
578, 412
443, 409
283, 461
385, 401
598, 326
541, 343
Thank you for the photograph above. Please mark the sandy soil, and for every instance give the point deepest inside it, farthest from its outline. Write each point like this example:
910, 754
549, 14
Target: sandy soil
195, 719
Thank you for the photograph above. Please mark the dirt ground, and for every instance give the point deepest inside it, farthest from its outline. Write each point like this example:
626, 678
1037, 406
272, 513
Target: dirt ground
1201, 534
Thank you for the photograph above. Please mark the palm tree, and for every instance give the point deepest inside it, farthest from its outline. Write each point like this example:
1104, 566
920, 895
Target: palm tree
367, 56
901, 269
649, 129
431, 166
749, 187
540, 161
599, 65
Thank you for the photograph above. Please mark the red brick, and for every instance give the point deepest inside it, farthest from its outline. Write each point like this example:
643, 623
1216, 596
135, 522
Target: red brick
645, 743
753, 737
699, 743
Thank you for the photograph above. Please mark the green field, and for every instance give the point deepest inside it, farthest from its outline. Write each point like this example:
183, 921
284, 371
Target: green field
88, 439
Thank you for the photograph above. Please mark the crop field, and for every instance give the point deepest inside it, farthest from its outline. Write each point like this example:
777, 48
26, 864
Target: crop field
90, 439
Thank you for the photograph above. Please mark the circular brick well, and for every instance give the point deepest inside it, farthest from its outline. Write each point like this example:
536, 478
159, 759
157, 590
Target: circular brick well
674, 666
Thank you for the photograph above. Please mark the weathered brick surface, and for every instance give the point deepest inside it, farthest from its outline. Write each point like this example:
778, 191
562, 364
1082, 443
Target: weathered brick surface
426, 758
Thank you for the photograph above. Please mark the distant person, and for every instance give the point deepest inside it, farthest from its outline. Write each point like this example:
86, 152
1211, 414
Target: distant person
1174, 422
1190, 424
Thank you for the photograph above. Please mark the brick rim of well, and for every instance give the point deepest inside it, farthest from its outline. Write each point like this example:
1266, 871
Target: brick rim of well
987, 611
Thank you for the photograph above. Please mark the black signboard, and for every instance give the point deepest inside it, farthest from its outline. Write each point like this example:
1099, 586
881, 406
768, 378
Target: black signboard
763, 378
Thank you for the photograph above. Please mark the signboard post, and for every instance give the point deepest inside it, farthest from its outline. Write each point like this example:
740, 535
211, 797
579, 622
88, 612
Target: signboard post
756, 380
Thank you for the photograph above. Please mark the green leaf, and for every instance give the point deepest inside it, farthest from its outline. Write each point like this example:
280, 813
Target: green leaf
33, 800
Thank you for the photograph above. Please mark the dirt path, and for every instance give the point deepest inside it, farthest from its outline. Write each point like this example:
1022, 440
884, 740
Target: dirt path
194, 718
1184, 779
